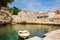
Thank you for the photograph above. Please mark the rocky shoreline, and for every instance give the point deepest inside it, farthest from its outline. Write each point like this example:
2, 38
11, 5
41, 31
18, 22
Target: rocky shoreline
5, 18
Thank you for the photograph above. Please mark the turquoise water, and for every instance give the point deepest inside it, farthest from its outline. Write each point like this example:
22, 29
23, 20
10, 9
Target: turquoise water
9, 32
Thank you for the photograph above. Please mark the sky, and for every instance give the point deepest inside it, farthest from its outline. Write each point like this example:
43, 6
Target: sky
36, 5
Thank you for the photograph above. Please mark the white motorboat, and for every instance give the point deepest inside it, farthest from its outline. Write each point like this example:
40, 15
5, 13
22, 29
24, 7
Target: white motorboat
23, 33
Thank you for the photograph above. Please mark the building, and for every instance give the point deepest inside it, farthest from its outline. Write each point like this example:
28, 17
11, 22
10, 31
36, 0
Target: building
16, 19
57, 12
50, 14
28, 16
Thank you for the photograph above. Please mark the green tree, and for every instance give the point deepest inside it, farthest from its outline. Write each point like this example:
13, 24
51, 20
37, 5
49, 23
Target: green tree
5, 2
15, 10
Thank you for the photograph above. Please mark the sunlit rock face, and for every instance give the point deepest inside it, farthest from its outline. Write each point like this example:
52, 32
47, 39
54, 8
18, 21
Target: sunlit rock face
7, 10
5, 15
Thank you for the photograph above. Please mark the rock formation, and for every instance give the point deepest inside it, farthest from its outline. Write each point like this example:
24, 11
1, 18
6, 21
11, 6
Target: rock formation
5, 16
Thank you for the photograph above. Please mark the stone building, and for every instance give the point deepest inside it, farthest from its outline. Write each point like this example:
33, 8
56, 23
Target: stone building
50, 14
28, 16
35, 17
53, 16
16, 19
57, 11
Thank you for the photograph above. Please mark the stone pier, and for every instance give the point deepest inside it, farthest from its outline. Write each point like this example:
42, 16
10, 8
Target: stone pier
54, 35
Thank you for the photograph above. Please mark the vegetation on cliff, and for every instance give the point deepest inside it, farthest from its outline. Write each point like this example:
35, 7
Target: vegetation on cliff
15, 10
5, 2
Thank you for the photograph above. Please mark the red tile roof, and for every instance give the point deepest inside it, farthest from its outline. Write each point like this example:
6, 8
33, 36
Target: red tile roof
25, 11
36, 13
58, 11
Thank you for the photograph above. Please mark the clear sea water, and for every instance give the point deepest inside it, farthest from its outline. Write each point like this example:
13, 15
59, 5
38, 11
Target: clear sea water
10, 32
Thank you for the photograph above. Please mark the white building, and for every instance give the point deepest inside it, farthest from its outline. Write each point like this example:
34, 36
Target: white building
51, 14
16, 19
28, 16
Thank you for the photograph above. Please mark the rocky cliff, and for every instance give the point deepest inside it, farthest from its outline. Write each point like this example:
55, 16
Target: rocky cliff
5, 17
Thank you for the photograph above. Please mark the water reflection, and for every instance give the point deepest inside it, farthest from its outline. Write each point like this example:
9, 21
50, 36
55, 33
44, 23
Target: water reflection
9, 32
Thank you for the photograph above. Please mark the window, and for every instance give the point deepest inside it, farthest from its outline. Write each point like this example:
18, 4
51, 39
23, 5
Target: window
51, 20
45, 16
40, 17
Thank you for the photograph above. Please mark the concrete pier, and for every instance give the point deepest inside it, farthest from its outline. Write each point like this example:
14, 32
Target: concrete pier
54, 35
35, 38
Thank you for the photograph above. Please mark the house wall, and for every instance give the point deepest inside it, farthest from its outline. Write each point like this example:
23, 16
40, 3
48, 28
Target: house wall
50, 14
16, 19
28, 16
